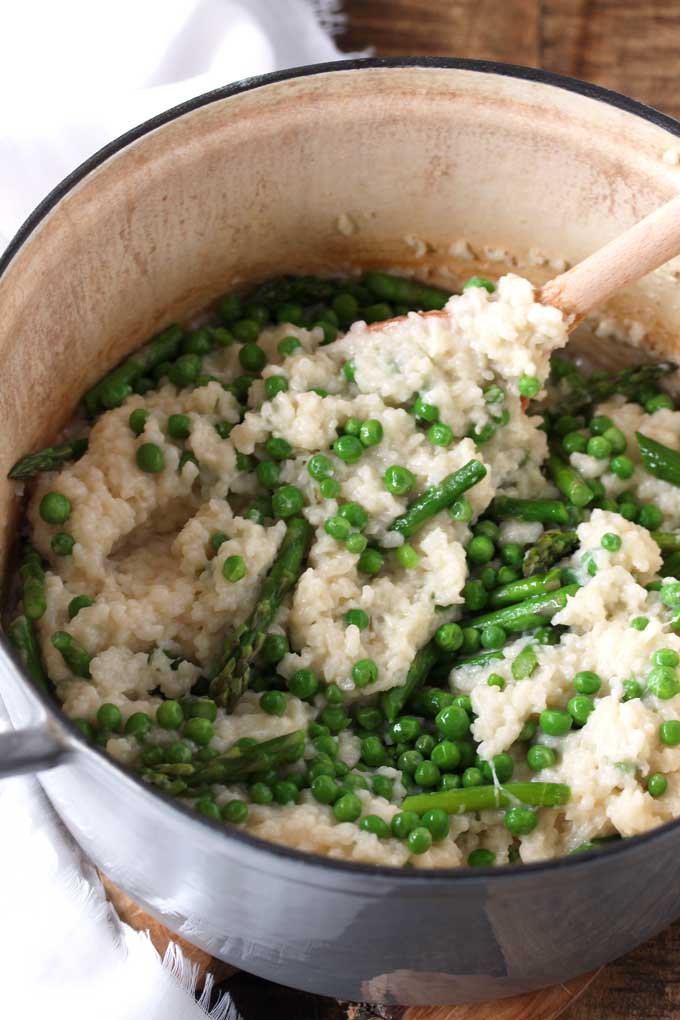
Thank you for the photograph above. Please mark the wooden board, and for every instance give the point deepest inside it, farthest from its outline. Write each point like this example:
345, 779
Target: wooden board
632, 46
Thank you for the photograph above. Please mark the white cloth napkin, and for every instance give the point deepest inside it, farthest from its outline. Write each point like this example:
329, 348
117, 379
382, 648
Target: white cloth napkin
74, 75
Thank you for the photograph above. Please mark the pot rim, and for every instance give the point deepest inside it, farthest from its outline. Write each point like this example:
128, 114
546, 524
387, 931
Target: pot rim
462, 874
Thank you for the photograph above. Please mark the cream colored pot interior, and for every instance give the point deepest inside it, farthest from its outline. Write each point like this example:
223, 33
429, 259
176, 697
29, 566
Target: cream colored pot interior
378, 167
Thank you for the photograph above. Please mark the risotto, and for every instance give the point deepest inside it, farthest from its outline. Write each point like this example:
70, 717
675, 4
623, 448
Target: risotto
400, 593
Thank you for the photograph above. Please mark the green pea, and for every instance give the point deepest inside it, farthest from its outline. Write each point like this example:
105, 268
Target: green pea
274, 384
357, 618
408, 761
406, 729
488, 577
375, 825
185, 370
574, 442
203, 708
325, 789
223, 429
329, 488
494, 394
480, 281
481, 549
494, 680
333, 695
169, 715
580, 708
622, 466
150, 458
179, 426
252, 358
371, 432
335, 717
666, 657
481, 858
138, 419
427, 774
426, 744
278, 449
650, 517
398, 480
267, 472
353, 781
403, 823
449, 637
85, 727
440, 434
179, 753
355, 514
611, 542
199, 730
285, 792
540, 757
55, 508
437, 823
501, 765
347, 808
453, 722
657, 784
62, 543
109, 717
472, 776
475, 596
406, 556
337, 527
364, 672
599, 447
234, 569
319, 467
632, 689
616, 439
207, 807
368, 717
289, 344
659, 402
186, 458
261, 793
371, 561
373, 751
528, 386
204, 754
303, 684
287, 501
348, 449
520, 821
528, 731
587, 682
138, 725
493, 636
639, 622
555, 722
346, 307
419, 840
663, 682
273, 702
234, 811
446, 756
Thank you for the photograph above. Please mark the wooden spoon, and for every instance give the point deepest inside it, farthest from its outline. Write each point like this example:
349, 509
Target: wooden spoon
642, 248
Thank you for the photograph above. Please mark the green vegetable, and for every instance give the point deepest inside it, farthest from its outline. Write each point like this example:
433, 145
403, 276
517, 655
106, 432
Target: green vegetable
55, 508
234, 569
438, 498
525, 663
394, 700
347, 808
73, 654
489, 797
62, 543
419, 840
480, 281
234, 811
518, 591
657, 784
51, 458
22, 635
150, 458
555, 722
659, 460
520, 821
529, 614
587, 682
405, 292
547, 511
287, 501
116, 386
78, 603
348, 448
569, 481
398, 480
551, 547
376, 825
32, 576
480, 549
364, 672
233, 677
540, 757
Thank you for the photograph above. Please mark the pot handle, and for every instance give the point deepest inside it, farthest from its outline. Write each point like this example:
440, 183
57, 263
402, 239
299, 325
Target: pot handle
34, 749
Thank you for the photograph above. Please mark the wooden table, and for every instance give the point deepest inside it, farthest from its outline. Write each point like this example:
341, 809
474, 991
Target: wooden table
632, 46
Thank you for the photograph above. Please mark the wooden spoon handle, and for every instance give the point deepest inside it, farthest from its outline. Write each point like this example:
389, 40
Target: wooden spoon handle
646, 246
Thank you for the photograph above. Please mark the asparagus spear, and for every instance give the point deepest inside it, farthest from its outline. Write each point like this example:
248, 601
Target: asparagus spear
234, 676
479, 658
405, 292
393, 701
112, 390
527, 615
49, 459
305, 290
659, 460
569, 481
517, 591
73, 654
32, 577
671, 565
22, 635
667, 541
550, 548
484, 798
236, 763
631, 381
438, 497
547, 511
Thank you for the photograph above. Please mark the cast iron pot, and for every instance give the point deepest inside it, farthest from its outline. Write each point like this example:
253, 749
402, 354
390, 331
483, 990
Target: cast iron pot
372, 163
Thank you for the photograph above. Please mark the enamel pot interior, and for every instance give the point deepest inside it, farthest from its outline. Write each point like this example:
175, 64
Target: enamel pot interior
365, 164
